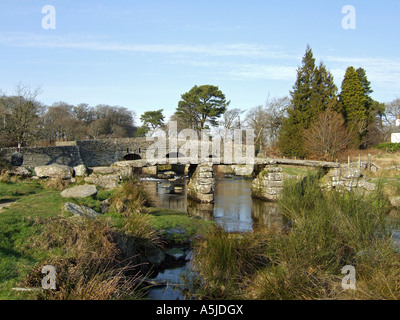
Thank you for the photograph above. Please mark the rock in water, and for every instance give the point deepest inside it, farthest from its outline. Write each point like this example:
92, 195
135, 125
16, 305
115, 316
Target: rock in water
80, 192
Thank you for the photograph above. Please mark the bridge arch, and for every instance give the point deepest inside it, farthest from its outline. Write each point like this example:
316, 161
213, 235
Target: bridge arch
174, 155
131, 156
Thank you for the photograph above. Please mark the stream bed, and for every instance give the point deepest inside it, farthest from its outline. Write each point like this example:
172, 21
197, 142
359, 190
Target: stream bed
234, 210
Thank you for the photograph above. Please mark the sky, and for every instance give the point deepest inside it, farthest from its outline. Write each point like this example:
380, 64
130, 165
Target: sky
143, 55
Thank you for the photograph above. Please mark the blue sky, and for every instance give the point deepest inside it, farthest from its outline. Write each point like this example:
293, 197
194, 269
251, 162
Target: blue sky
144, 55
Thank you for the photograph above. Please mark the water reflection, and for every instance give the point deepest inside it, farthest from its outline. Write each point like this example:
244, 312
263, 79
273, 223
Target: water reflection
234, 209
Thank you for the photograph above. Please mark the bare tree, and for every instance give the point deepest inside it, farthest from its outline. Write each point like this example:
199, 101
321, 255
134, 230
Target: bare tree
267, 120
99, 128
21, 114
328, 135
231, 119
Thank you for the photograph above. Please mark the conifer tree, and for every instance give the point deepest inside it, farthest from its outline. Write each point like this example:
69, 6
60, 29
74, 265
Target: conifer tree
354, 103
313, 91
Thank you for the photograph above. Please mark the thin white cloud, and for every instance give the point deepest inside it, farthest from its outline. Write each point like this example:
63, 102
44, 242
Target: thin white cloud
73, 42
383, 73
269, 62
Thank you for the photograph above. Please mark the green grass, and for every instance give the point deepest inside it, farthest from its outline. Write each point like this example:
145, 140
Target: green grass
329, 230
25, 244
168, 221
15, 190
17, 223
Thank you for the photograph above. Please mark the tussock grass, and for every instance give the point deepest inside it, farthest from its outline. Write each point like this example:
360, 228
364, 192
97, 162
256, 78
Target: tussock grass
131, 198
57, 183
93, 260
222, 260
328, 230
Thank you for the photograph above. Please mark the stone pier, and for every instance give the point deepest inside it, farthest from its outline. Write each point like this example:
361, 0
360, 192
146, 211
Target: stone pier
202, 184
268, 184
348, 179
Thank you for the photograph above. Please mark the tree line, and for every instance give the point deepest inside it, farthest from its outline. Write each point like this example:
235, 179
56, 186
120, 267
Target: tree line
316, 119
26, 121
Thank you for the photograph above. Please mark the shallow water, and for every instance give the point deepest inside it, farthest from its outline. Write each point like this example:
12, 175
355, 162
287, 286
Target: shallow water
234, 210
171, 291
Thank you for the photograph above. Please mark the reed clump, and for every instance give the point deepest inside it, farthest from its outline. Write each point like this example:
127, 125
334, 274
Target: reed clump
327, 231
93, 259
131, 198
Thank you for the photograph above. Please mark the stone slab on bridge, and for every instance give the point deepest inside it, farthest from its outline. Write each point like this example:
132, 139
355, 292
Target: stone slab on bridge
244, 161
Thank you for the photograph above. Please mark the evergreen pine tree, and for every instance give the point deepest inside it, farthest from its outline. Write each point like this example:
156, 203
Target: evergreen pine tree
313, 91
354, 103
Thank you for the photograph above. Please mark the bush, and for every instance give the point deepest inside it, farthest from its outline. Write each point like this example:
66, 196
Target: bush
389, 147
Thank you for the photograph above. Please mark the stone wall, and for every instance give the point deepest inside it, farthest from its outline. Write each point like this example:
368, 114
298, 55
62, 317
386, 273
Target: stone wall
92, 153
34, 157
346, 178
106, 152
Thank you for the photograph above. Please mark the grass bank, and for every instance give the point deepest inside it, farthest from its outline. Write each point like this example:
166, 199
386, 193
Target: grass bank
328, 231
103, 258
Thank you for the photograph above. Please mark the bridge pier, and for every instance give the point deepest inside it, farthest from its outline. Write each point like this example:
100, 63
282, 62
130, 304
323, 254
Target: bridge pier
201, 185
268, 184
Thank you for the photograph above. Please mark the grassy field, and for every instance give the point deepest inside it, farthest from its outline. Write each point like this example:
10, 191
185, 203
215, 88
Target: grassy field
36, 230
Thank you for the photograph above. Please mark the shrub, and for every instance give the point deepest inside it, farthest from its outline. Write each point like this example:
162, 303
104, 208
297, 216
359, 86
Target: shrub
389, 147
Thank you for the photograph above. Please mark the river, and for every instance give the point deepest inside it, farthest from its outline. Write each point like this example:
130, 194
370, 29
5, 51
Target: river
234, 210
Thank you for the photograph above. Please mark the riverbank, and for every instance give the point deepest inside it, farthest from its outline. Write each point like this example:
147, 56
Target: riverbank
113, 252
327, 231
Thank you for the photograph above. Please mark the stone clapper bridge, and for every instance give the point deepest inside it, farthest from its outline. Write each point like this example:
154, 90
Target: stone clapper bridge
269, 176
143, 154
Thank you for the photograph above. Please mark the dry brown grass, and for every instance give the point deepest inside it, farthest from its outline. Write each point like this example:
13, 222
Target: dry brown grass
90, 259
131, 198
57, 183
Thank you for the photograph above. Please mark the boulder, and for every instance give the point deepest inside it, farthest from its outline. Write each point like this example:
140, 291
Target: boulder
104, 170
105, 205
81, 171
79, 211
176, 254
107, 182
54, 171
157, 259
395, 201
80, 192
19, 172
167, 175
